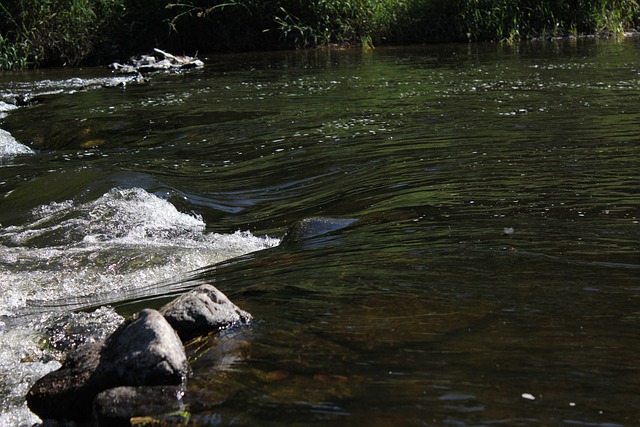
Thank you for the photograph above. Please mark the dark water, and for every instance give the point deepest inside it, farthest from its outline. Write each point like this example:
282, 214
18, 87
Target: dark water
491, 278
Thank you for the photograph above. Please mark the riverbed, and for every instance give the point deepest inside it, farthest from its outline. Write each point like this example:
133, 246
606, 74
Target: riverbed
488, 272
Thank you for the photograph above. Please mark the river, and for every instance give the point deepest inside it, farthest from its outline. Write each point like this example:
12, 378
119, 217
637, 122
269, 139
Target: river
488, 273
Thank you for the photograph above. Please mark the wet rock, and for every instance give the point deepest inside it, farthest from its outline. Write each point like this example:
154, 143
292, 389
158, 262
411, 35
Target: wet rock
314, 226
144, 350
203, 310
68, 392
117, 406
148, 63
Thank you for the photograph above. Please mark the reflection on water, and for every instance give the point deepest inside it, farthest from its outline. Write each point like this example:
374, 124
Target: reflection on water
490, 275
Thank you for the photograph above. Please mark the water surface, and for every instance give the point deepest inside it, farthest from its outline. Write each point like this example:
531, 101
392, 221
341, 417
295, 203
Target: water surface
491, 276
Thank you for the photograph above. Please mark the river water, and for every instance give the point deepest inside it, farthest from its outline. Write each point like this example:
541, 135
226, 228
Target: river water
488, 273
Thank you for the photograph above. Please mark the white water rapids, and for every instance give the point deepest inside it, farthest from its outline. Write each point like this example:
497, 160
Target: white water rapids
126, 240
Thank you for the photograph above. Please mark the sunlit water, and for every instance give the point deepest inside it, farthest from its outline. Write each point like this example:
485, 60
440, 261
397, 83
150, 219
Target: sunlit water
491, 277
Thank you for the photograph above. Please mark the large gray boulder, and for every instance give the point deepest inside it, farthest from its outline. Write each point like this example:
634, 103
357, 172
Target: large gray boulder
144, 350
202, 310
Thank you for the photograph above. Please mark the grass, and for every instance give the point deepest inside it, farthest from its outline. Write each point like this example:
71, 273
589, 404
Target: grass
72, 32
63, 32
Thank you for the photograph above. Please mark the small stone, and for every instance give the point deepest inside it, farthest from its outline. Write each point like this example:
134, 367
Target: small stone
202, 310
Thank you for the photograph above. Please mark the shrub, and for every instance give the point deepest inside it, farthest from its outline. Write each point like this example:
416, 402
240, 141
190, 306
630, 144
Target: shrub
48, 32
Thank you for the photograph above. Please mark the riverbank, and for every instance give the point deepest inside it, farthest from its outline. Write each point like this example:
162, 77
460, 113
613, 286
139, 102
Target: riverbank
75, 32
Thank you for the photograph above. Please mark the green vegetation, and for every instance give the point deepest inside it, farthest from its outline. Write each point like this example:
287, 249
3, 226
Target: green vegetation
512, 20
54, 32
71, 32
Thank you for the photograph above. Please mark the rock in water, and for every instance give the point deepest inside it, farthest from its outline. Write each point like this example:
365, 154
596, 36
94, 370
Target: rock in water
69, 391
116, 406
202, 310
144, 350
314, 226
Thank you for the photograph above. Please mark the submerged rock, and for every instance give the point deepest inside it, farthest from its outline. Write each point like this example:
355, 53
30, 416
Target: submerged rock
144, 350
314, 226
202, 310
117, 406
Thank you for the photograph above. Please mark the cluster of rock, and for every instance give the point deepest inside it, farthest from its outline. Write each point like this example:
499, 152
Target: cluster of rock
140, 369
148, 63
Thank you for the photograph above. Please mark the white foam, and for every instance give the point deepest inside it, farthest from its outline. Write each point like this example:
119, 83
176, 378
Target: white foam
26, 91
9, 147
5, 108
24, 358
22, 362
126, 239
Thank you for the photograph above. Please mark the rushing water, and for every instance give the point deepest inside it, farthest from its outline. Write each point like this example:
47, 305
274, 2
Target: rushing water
491, 275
